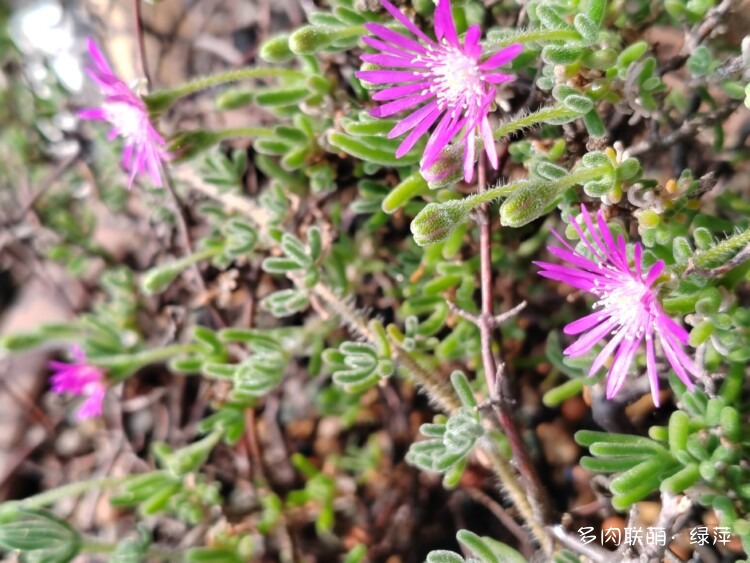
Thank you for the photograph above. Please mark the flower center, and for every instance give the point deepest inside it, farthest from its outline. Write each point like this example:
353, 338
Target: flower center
128, 119
457, 80
626, 300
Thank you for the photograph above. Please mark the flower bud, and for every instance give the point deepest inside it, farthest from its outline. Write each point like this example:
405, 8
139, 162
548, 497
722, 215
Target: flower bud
276, 49
437, 221
528, 203
447, 170
311, 38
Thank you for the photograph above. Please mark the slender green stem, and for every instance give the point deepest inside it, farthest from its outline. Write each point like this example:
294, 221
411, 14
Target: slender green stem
438, 389
159, 100
72, 489
578, 176
540, 116
235, 75
452, 158
530, 36
149, 356
723, 252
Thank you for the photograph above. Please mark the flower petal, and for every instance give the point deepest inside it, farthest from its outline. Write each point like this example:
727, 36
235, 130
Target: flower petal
502, 57
395, 38
413, 120
377, 76
406, 22
399, 91
444, 26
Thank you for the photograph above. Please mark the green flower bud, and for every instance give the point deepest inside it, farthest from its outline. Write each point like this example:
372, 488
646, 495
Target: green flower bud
158, 101
437, 220
309, 39
38, 535
447, 170
276, 49
528, 203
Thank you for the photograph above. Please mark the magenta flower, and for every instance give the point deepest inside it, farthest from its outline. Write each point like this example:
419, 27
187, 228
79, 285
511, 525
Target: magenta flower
627, 311
144, 148
80, 378
454, 85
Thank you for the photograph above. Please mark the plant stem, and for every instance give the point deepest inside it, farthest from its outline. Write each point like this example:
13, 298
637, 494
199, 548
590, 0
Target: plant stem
724, 256
535, 118
71, 489
529, 36
578, 176
148, 356
486, 324
439, 390
162, 99
437, 387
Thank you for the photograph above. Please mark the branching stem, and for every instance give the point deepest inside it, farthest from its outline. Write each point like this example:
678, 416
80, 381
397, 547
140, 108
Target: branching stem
486, 322
438, 389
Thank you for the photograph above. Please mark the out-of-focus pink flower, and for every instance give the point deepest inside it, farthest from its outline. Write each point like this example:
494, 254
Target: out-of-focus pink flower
627, 311
450, 82
144, 148
80, 378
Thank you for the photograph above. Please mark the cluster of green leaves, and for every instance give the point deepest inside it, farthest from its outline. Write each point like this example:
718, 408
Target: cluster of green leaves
700, 453
325, 138
450, 440
483, 550
299, 261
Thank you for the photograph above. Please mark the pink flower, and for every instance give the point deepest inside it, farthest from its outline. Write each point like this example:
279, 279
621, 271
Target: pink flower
627, 311
125, 111
80, 378
448, 80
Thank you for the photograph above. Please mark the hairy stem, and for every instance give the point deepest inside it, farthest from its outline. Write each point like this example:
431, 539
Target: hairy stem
161, 99
486, 324
535, 118
439, 390
529, 36
437, 387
